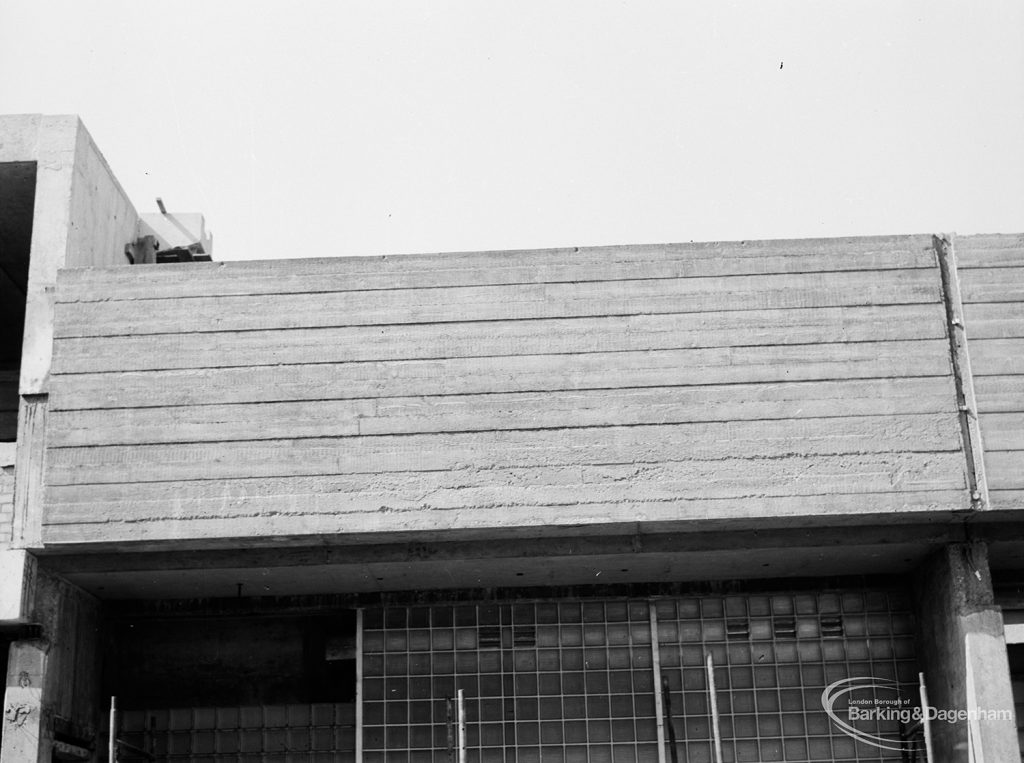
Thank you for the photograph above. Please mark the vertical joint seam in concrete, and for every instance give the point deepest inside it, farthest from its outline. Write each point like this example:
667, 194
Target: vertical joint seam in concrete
967, 405
29, 472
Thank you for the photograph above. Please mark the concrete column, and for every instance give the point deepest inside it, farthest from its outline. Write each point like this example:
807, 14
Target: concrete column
963, 653
53, 681
27, 734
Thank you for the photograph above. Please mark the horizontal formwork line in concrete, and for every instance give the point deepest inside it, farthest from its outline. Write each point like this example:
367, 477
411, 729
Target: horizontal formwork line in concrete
1011, 258
739, 387
642, 443
227, 491
107, 365
156, 513
728, 433
74, 291
789, 474
445, 323
527, 326
492, 411
1010, 449
796, 509
1008, 498
495, 268
524, 373
554, 391
479, 501
257, 436
459, 304
537, 336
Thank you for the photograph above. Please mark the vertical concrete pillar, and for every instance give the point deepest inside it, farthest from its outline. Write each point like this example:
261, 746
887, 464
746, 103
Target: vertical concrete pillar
27, 736
26, 660
963, 653
53, 681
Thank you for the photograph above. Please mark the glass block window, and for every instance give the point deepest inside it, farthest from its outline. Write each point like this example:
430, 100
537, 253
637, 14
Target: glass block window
570, 681
774, 655
319, 733
552, 681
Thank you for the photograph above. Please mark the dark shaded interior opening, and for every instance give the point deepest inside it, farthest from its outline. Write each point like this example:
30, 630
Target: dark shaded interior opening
17, 203
1016, 653
170, 662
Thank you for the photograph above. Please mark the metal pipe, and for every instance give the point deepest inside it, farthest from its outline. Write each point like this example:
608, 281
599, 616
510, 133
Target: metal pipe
462, 728
359, 686
713, 700
112, 749
659, 710
926, 723
673, 752
449, 728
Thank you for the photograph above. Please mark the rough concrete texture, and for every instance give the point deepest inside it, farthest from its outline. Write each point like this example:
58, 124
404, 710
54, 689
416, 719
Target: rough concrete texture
683, 399
82, 218
24, 737
53, 679
7, 459
26, 523
991, 271
962, 649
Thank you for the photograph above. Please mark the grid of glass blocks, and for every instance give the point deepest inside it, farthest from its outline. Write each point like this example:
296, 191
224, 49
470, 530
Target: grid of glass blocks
774, 655
318, 733
573, 681
567, 681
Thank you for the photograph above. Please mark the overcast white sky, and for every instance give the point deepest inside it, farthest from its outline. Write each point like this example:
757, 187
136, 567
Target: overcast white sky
333, 128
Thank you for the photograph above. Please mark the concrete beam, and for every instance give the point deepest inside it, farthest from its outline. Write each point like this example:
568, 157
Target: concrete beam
629, 555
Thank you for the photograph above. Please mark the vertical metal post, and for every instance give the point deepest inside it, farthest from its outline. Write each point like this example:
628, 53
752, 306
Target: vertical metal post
926, 723
673, 751
713, 702
359, 686
449, 727
112, 750
659, 707
462, 727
